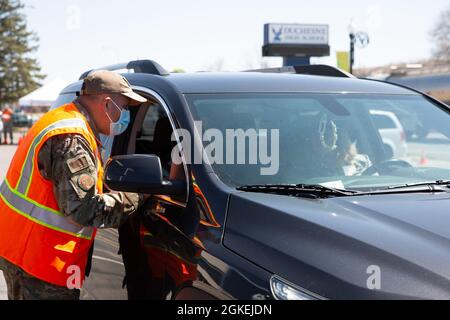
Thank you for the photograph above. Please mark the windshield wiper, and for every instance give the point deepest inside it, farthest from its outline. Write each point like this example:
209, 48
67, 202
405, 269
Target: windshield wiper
420, 187
429, 184
300, 190
318, 191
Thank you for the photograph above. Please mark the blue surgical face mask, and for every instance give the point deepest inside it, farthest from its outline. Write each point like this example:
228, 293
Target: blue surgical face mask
119, 127
107, 144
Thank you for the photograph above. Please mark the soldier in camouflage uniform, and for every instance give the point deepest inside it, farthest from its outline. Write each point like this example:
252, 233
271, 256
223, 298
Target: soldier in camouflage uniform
69, 162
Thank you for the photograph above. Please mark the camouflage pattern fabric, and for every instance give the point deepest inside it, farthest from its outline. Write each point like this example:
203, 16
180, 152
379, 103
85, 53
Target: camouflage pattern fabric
68, 161
22, 286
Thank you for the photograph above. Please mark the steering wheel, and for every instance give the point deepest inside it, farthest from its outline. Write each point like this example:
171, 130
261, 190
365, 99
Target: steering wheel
386, 167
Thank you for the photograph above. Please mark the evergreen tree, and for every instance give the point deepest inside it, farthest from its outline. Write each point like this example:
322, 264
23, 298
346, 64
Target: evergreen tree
19, 71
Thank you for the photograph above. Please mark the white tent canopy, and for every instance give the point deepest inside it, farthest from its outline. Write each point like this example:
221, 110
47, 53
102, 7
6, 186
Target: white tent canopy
45, 95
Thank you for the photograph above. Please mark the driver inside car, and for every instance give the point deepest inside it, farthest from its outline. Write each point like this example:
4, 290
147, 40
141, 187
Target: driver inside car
342, 151
350, 160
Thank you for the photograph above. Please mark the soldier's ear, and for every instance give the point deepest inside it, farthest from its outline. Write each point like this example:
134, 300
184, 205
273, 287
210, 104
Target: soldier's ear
106, 102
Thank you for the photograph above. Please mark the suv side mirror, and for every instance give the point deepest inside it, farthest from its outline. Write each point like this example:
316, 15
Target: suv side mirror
140, 174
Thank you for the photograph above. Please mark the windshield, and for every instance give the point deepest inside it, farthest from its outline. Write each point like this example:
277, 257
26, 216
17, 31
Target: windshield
345, 141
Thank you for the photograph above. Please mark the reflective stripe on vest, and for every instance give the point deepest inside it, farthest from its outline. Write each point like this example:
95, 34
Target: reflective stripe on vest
27, 170
41, 214
17, 200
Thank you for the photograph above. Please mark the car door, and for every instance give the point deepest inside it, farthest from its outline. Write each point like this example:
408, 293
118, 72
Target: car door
157, 243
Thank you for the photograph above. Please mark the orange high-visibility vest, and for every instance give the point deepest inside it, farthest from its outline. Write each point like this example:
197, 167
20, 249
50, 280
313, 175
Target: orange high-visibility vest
34, 234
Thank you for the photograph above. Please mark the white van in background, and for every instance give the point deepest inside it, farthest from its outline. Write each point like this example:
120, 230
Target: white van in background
391, 131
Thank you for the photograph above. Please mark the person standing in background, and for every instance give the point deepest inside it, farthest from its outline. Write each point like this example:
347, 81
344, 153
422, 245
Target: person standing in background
7, 120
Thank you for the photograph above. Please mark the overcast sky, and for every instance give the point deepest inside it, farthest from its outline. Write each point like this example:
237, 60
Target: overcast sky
76, 35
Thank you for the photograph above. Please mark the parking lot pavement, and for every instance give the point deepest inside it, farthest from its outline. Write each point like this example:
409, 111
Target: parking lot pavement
6, 153
105, 281
3, 295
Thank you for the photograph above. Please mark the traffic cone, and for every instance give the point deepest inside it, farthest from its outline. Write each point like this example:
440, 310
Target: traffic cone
423, 159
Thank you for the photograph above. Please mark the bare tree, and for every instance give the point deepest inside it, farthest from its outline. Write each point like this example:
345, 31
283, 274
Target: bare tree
217, 66
441, 37
254, 60
257, 63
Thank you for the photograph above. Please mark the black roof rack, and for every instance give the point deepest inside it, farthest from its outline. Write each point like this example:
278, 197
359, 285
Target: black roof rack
315, 69
138, 66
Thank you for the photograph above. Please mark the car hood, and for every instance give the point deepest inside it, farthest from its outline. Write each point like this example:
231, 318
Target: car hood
379, 246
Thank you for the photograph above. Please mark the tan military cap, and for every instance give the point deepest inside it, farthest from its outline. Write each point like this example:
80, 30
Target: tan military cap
104, 82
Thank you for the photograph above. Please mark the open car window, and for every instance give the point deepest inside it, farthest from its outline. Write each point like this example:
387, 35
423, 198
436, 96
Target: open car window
151, 133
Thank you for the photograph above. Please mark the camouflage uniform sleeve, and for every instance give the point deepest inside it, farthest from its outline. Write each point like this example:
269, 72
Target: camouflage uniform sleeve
68, 161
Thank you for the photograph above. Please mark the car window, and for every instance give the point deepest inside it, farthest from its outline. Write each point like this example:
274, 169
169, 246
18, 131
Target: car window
154, 113
154, 137
323, 138
383, 122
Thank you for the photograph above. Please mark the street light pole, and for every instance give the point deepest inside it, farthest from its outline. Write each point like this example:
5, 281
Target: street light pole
352, 51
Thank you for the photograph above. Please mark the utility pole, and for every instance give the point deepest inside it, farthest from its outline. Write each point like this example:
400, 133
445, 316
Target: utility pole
360, 39
352, 51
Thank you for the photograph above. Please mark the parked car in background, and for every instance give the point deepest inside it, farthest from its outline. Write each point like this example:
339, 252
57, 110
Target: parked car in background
21, 120
391, 131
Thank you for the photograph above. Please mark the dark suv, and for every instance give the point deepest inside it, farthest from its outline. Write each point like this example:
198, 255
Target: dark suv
280, 184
